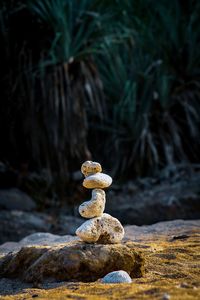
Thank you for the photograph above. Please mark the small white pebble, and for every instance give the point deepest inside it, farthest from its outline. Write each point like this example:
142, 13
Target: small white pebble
166, 296
117, 277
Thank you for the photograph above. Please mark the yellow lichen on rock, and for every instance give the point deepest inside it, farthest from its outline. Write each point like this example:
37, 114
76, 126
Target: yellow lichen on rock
172, 270
172, 260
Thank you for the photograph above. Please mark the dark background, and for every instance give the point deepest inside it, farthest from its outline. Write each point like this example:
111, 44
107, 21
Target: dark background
117, 82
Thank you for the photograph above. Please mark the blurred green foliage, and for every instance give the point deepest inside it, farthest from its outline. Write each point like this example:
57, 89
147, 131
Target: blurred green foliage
117, 79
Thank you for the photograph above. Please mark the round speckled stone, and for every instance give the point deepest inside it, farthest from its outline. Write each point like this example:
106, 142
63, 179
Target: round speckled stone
104, 230
90, 167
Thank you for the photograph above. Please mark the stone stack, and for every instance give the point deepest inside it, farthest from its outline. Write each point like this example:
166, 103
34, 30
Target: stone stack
101, 228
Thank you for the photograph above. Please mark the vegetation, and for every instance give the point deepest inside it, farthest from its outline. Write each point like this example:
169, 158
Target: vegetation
118, 81
152, 86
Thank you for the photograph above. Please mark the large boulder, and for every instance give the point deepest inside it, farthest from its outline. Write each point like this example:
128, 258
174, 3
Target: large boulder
69, 261
171, 251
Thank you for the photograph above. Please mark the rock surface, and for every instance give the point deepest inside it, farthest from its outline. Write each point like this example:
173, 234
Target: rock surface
169, 231
36, 239
149, 201
117, 277
95, 207
15, 224
97, 181
69, 261
144, 201
14, 199
171, 250
105, 230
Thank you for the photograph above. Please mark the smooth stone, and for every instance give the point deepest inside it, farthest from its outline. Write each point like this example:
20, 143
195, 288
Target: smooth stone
117, 277
69, 261
90, 167
105, 230
97, 181
95, 207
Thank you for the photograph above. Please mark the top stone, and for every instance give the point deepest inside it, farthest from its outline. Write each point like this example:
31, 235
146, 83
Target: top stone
90, 167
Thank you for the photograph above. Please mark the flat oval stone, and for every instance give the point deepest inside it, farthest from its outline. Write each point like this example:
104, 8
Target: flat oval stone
117, 277
97, 181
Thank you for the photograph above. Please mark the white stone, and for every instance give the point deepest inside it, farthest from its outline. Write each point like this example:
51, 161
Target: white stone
95, 207
105, 230
90, 167
89, 231
97, 181
117, 277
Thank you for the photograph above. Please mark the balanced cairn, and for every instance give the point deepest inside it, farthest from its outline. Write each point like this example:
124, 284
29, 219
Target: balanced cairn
101, 228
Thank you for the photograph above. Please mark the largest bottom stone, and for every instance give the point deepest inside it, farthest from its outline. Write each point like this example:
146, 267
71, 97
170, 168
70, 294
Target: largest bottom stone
72, 261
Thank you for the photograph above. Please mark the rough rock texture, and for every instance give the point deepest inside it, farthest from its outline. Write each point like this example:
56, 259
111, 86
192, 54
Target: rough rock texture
105, 230
95, 207
97, 181
101, 228
149, 201
14, 199
169, 231
90, 167
171, 250
117, 277
70, 261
